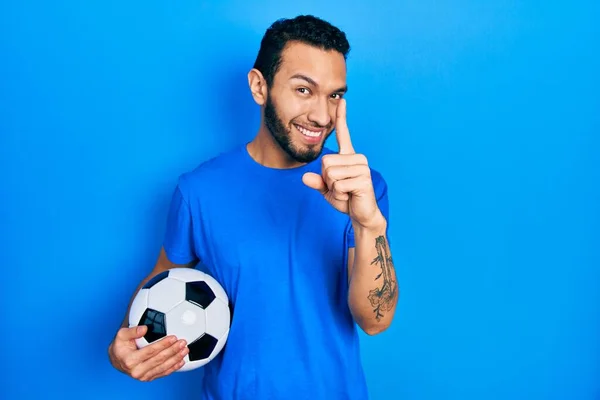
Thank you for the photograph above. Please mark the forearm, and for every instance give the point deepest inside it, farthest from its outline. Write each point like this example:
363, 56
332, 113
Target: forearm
373, 292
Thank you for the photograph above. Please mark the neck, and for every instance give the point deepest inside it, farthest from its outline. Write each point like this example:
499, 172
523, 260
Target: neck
265, 150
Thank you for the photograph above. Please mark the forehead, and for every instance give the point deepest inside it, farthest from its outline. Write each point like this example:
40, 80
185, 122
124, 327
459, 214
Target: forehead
327, 68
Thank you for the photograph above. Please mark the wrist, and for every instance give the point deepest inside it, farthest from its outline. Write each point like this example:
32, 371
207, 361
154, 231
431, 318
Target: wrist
375, 226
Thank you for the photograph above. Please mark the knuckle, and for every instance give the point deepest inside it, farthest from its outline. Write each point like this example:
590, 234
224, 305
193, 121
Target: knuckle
328, 160
362, 159
177, 350
129, 364
158, 348
162, 356
136, 374
156, 359
165, 344
335, 186
338, 171
330, 182
338, 186
158, 373
174, 368
173, 350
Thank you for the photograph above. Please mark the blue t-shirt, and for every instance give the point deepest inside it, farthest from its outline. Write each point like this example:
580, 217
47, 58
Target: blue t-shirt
279, 250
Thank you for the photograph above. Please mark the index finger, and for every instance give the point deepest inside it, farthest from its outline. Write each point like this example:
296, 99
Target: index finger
342, 132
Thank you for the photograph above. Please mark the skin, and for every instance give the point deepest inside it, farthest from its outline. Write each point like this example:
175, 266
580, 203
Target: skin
307, 91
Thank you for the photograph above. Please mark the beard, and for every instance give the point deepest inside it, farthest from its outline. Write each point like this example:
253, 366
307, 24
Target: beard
283, 136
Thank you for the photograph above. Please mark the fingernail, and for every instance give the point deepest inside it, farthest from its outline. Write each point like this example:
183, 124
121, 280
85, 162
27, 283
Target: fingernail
139, 330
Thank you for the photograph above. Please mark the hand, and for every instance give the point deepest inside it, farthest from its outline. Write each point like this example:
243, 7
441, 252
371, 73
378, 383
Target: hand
156, 360
345, 178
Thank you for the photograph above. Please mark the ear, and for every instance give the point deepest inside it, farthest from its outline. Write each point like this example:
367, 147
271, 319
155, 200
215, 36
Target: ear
258, 86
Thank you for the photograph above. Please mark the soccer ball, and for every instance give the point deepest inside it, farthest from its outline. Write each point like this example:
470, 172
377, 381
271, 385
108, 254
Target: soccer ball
189, 304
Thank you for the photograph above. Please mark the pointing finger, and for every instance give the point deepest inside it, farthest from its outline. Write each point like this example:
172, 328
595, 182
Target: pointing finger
341, 130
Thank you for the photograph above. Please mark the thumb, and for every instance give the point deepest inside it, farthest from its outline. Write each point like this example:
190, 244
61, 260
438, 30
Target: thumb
314, 181
132, 333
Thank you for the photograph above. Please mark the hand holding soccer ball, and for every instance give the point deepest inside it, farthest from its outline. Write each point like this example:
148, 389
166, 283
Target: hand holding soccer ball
180, 303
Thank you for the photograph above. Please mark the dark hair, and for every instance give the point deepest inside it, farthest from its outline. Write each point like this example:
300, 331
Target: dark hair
303, 28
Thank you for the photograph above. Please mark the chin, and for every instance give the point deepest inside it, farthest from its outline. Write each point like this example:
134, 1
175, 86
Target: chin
307, 154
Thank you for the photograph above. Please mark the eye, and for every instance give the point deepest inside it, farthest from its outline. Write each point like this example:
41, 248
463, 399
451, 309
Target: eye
339, 96
303, 90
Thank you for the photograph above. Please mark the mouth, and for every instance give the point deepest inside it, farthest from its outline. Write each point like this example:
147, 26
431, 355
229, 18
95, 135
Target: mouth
311, 135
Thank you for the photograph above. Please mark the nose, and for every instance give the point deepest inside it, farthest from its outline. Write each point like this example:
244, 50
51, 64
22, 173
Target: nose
319, 113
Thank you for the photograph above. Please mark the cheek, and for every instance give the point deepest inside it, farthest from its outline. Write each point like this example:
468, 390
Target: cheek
296, 110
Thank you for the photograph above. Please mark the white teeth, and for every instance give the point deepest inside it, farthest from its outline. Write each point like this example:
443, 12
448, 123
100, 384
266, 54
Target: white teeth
307, 132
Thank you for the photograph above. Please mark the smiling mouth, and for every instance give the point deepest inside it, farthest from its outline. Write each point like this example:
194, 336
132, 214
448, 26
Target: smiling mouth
309, 132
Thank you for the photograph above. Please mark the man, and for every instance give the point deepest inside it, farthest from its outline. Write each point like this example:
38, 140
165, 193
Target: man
294, 232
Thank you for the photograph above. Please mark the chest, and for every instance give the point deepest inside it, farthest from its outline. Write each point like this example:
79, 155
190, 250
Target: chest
270, 237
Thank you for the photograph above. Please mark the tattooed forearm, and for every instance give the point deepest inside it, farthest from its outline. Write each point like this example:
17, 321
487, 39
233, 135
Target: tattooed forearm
373, 291
383, 298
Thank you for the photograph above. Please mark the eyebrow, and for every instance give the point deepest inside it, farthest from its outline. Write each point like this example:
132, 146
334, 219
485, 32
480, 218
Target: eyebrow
311, 81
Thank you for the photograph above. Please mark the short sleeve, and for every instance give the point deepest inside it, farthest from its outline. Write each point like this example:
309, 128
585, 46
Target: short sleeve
179, 238
381, 194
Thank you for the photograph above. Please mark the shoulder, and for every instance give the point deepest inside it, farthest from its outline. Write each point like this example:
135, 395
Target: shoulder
211, 172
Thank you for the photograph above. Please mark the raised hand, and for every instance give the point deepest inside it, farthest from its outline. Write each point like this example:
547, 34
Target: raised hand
345, 179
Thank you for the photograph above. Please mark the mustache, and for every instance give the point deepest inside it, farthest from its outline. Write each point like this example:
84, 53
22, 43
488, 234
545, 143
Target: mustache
315, 125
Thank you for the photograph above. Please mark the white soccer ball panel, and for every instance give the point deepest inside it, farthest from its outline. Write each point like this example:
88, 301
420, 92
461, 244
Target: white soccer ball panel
138, 306
141, 342
190, 365
216, 288
186, 321
217, 318
166, 294
186, 274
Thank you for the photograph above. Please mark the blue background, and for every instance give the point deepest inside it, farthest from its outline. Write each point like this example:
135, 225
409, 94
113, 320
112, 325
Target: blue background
484, 117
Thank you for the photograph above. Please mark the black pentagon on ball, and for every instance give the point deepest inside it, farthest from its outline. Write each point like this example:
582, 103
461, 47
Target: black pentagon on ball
201, 348
199, 293
155, 321
156, 279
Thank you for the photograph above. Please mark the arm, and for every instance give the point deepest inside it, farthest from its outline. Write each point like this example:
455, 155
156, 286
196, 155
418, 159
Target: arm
373, 292
346, 183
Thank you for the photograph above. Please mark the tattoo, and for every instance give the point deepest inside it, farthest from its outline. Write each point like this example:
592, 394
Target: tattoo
382, 298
